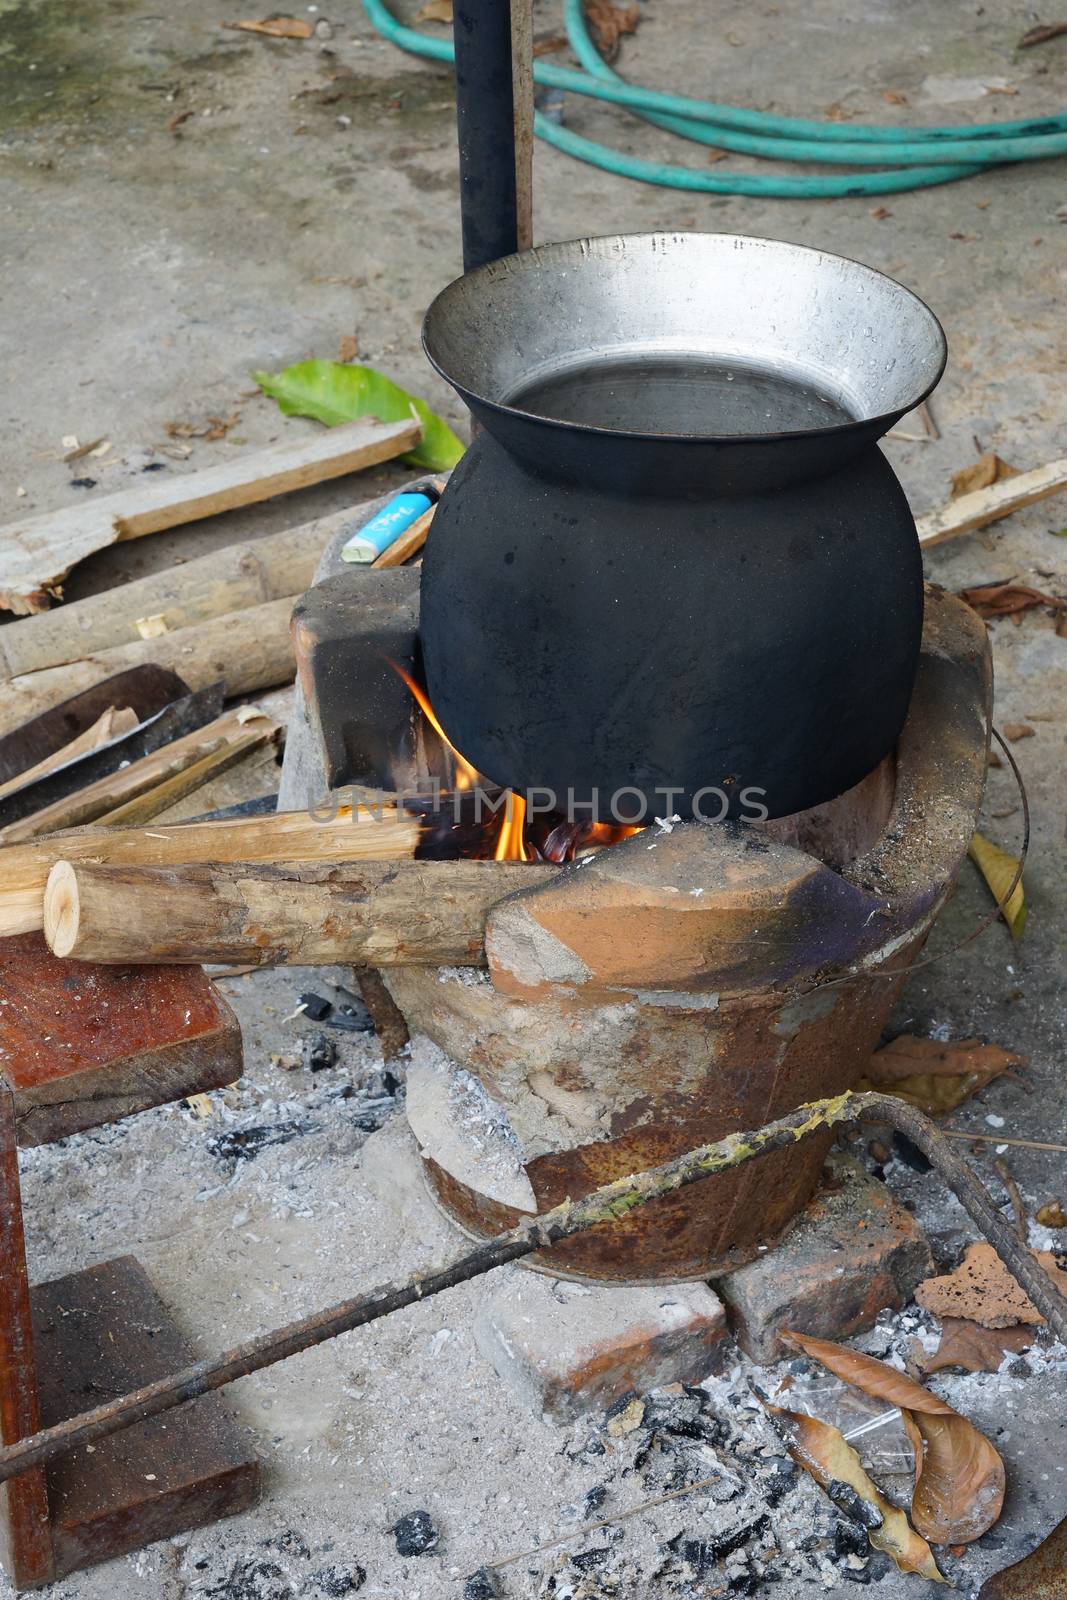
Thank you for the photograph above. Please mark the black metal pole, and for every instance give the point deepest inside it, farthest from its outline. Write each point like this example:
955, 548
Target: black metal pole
485, 118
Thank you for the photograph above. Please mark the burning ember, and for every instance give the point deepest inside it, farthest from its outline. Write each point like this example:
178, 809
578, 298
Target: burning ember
506, 833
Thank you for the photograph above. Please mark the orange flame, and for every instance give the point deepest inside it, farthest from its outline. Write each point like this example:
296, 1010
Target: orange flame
511, 844
466, 775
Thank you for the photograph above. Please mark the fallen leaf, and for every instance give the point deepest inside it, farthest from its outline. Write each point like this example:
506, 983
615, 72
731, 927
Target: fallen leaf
1043, 32
334, 391
984, 472
1018, 730
998, 868
177, 119
937, 1075
981, 1289
1038, 1576
893, 97
993, 760
1006, 599
213, 429
1051, 1215
880, 213
1001, 88
277, 27
959, 1488
435, 11
838, 113
546, 44
348, 348
969, 1345
608, 23
823, 1451
713, 155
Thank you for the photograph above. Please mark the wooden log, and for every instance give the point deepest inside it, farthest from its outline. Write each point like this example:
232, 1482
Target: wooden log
39, 551
249, 650
381, 833
233, 579
977, 510
245, 724
108, 725
376, 913
153, 802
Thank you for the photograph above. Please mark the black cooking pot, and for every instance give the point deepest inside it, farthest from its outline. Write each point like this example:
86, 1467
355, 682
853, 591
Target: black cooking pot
675, 568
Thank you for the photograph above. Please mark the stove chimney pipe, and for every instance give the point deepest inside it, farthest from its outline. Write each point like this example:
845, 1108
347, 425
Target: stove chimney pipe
493, 195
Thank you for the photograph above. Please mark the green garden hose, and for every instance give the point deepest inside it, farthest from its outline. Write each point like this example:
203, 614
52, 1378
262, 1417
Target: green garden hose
907, 153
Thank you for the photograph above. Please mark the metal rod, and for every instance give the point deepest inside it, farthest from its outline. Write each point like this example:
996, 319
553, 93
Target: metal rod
602, 1206
485, 119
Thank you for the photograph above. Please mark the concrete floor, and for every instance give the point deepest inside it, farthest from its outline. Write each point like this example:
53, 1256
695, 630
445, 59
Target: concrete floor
145, 274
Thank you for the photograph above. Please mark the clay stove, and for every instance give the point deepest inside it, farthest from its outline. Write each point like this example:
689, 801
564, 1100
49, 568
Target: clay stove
686, 982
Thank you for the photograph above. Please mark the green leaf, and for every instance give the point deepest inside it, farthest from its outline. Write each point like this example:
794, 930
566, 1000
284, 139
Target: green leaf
334, 391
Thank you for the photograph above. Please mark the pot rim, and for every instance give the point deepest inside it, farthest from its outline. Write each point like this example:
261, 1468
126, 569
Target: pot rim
873, 426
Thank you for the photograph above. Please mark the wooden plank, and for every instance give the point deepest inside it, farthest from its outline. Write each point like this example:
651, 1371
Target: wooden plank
409, 543
96, 799
249, 650
109, 725
241, 575
25, 1535
984, 506
87, 1045
104, 1331
380, 834
39, 551
372, 913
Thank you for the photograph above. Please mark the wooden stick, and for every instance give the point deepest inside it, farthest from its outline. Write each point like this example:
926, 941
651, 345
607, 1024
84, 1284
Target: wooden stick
409, 543
380, 833
97, 799
39, 551
600, 1208
109, 725
976, 510
143, 807
375, 913
249, 650
232, 579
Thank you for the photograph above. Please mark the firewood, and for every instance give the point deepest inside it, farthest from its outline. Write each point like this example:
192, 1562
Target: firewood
977, 510
39, 551
381, 833
409, 543
379, 913
153, 802
245, 725
249, 650
232, 579
108, 725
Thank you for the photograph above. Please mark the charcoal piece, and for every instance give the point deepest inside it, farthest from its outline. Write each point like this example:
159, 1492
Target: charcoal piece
782, 1477
585, 1560
243, 1144
316, 1007
482, 1585
415, 1534
317, 1052
850, 1539
853, 1505
336, 1582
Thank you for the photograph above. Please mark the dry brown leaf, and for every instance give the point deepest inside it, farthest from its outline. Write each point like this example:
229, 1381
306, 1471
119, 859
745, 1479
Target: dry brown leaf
1018, 730
1007, 599
1051, 1215
984, 472
348, 347
608, 22
959, 1490
880, 213
1041, 34
1038, 1576
435, 11
981, 1289
974, 1348
177, 119
213, 429
937, 1076
822, 1450
277, 27
546, 44
998, 868
893, 97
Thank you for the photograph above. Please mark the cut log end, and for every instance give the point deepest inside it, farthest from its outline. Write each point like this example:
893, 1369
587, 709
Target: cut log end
62, 909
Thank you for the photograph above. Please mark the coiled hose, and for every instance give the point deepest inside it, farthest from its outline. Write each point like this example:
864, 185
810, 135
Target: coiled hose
916, 158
